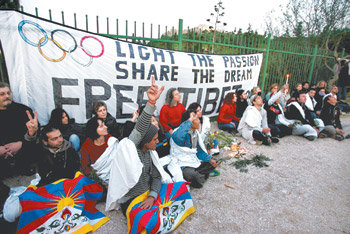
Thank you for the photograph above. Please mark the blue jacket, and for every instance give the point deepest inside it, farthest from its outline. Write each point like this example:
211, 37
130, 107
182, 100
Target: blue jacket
182, 138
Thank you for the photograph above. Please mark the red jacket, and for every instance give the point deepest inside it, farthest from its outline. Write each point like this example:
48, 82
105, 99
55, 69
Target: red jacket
227, 113
171, 115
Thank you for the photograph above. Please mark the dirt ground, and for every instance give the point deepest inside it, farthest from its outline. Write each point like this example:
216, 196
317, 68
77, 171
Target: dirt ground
305, 189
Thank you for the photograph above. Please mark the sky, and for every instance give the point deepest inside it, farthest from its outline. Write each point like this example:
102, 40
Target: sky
238, 14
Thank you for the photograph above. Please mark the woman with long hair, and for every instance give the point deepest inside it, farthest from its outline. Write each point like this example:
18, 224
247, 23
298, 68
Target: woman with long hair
171, 112
242, 103
70, 130
227, 119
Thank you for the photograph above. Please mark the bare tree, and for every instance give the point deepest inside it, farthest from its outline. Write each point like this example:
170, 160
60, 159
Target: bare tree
311, 17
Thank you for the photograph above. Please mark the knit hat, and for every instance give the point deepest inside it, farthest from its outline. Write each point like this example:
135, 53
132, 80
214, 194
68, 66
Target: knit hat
149, 135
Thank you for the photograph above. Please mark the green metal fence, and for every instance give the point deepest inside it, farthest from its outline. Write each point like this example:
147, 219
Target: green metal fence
303, 63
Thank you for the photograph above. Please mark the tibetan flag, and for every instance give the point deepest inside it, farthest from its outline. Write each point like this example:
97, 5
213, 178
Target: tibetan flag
65, 206
172, 206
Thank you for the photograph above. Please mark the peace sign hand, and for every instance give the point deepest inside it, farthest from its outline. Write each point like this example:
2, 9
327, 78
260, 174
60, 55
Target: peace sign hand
32, 124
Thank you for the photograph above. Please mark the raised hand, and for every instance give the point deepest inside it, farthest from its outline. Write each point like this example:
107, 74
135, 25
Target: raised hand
154, 92
32, 124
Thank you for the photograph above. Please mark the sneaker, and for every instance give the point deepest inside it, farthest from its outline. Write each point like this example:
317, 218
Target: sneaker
310, 138
347, 136
214, 151
275, 140
196, 184
339, 137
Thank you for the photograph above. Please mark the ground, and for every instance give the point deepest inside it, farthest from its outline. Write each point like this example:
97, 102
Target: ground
305, 189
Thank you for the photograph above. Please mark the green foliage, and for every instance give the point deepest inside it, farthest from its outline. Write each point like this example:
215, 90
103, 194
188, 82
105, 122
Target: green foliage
257, 161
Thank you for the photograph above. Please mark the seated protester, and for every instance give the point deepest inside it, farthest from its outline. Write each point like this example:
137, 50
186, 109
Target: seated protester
310, 102
58, 159
189, 158
15, 153
343, 106
297, 110
330, 115
204, 128
145, 138
321, 85
163, 147
242, 103
273, 90
295, 93
319, 100
94, 146
285, 97
171, 112
227, 119
118, 130
256, 90
274, 109
253, 125
70, 130
306, 86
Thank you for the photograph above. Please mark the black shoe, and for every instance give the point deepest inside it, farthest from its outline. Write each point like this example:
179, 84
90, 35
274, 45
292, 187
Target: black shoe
310, 138
339, 137
274, 140
196, 184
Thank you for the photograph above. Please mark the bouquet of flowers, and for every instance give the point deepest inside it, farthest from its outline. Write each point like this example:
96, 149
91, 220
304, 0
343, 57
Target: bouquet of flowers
226, 141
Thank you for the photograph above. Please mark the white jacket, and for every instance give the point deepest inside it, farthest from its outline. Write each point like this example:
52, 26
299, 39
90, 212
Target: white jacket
181, 156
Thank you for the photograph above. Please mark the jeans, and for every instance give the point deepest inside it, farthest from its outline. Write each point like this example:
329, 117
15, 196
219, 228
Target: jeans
342, 93
305, 130
228, 126
74, 139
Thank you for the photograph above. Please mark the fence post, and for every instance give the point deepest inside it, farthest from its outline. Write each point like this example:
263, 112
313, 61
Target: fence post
342, 53
266, 60
312, 63
180, 34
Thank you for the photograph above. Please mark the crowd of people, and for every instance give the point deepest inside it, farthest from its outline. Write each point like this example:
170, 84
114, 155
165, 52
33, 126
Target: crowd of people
63, 147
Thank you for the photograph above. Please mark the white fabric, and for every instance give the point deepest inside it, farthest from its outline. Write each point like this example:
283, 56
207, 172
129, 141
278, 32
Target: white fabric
104, 163
252, 119
205, 127
183, 157
125, 172
12, 207
166, 179
310, 103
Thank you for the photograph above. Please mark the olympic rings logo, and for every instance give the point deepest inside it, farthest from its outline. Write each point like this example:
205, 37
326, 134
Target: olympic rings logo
45, 39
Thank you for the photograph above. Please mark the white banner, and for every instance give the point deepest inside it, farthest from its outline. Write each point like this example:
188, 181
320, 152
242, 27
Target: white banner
52, 65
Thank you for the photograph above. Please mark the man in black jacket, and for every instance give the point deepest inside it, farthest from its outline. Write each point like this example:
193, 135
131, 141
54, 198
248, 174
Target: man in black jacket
58, 159
330, 115
297, 111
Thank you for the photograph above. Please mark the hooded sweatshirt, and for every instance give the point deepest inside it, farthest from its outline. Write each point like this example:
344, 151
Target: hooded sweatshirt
63, 163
